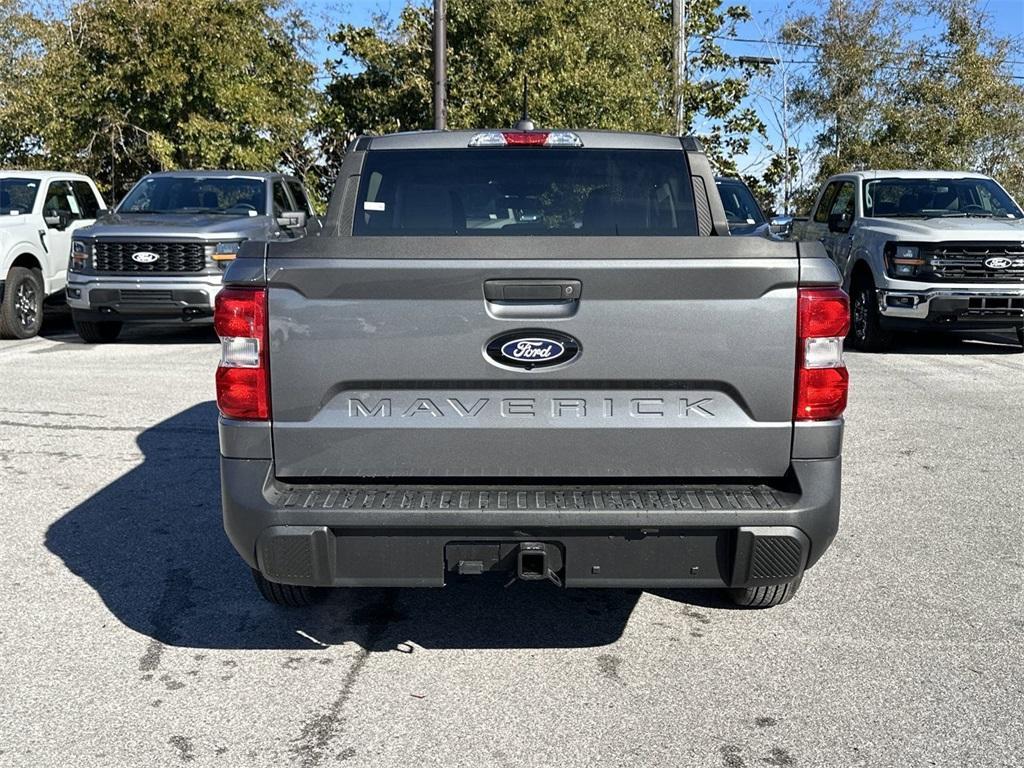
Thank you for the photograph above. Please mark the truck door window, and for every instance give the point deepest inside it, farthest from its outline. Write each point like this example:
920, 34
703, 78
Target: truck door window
60, 198
825, 204
844, 201
86, 198
17, 195
281, 201
299, 195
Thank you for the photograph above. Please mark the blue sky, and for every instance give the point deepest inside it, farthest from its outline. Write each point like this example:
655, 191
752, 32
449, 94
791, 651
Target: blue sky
1007, 17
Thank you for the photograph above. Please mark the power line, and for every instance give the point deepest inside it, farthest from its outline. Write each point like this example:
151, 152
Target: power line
819, 46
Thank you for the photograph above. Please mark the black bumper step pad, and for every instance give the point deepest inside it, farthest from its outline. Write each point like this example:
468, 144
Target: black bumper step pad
692, 498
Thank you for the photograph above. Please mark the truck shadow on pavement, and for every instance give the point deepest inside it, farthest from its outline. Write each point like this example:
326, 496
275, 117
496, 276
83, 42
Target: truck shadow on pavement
152, 546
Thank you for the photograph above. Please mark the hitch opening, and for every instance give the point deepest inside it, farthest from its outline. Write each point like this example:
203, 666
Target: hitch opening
533, 561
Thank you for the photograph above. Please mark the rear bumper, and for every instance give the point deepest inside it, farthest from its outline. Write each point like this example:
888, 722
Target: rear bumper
998, 306
137, 299
602, 536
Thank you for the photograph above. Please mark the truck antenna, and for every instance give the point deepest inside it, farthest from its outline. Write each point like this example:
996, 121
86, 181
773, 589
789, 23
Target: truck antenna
525, 123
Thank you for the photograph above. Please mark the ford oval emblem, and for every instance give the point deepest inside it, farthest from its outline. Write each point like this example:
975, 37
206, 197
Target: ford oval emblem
145, 257
532, 349
998, 262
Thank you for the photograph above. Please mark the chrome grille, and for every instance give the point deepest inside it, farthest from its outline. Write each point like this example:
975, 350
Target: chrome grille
965, 262
116, 256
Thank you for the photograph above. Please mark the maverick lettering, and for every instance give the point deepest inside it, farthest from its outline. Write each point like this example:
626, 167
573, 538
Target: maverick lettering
513, 407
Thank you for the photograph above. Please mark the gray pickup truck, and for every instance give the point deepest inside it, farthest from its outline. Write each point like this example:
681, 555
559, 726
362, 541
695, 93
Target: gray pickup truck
536, 352
160, 256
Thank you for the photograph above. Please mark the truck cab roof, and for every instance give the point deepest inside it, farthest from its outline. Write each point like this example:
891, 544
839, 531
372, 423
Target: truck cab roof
221, 174
907, 174
461, 139
43, 176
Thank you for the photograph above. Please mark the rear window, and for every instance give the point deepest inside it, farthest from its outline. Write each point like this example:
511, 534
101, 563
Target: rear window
525, 191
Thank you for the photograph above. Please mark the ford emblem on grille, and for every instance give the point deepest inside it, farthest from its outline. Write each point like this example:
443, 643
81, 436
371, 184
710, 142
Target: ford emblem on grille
998, 262
532, 349
145, 257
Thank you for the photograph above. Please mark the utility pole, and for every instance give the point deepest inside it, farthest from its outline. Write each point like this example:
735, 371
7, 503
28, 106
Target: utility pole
679, 65
785, 141
440, 66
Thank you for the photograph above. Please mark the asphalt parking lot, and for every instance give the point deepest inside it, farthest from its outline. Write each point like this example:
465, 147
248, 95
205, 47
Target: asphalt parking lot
131, 634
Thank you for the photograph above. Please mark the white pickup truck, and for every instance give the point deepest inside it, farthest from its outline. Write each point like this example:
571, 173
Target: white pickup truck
39, 211
922, 249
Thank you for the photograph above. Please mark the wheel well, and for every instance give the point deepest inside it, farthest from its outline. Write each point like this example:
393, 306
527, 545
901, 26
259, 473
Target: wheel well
26, 260
861, 274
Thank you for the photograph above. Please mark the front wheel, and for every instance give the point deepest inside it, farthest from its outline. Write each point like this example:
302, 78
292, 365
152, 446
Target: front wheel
866, 330
96, 332
21, 313
765, 597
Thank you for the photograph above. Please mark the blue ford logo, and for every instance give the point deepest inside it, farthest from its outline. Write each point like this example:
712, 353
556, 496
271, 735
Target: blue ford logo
532, 349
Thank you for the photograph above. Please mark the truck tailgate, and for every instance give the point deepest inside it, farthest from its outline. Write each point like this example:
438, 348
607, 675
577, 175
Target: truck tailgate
685, 369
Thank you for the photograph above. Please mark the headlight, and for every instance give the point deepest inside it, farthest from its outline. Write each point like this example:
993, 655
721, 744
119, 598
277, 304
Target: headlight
80, 253
903, 260
224, 253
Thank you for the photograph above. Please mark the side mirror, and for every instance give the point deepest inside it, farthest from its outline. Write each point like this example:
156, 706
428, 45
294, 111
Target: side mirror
292, 220
781, 226
102, 213
840, 222
58, 219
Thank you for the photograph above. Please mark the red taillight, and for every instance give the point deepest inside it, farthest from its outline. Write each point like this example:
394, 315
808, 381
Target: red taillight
525, 138
822, 381
243, 382
824, 312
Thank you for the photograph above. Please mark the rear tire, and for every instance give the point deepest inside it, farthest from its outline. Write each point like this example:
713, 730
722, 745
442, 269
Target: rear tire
866, 332
765, 597
97, 332
21, 313
288, 595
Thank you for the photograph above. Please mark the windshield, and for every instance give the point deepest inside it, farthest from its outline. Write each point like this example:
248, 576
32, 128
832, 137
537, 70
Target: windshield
229, 195
17, 195
741, 210
933, 198
525, 192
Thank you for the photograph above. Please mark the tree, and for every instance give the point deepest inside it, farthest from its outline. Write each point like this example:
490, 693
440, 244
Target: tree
946, 101
855, 44
589, 64
124, 87
19, 66
960, 106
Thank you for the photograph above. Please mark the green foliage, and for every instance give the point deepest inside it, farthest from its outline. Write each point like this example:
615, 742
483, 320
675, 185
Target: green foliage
123, 87
590, 64
717, 83
959, 106
946, 101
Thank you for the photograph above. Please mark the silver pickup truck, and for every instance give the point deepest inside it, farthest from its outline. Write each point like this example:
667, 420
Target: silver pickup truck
536, 352
161, 254
922, 250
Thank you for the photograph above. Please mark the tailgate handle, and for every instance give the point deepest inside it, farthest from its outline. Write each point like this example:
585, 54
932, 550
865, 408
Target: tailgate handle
541, 290
529, 299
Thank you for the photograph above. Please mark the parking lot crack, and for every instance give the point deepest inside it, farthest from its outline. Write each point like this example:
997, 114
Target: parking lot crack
314, 740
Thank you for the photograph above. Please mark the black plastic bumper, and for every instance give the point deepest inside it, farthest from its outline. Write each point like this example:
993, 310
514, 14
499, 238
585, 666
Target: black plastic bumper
651, 536
142, 304
964, 313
